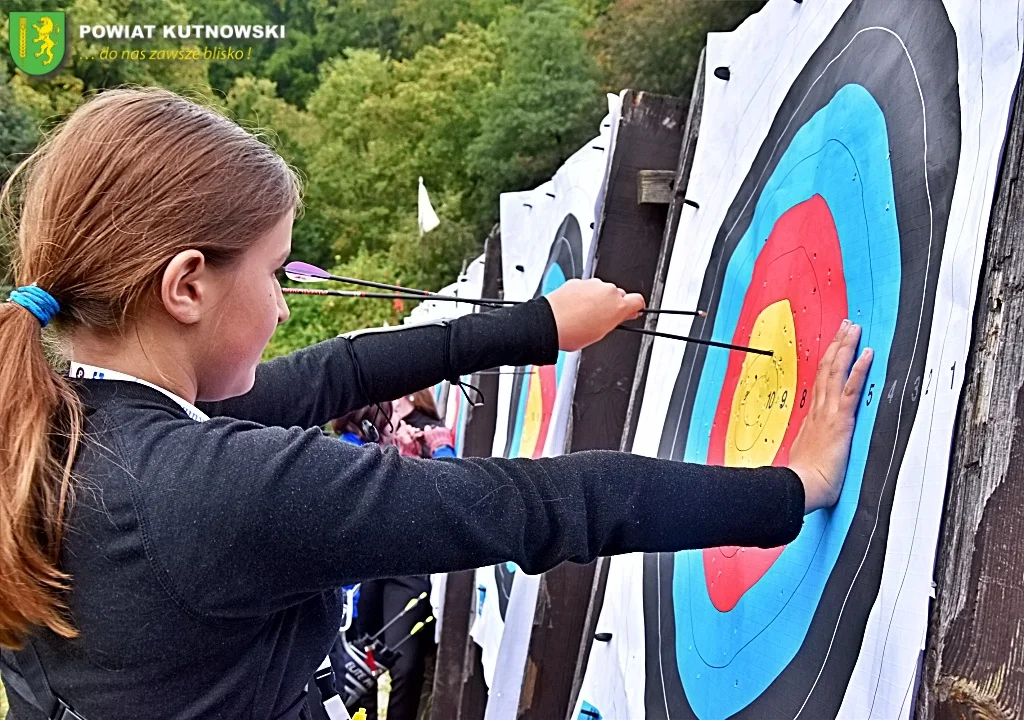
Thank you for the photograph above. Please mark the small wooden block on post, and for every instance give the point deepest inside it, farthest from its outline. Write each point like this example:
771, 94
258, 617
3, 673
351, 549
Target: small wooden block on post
655, 187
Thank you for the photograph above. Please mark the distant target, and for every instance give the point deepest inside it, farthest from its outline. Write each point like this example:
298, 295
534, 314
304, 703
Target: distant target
533, 398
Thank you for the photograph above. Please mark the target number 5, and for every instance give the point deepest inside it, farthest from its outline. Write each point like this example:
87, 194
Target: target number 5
871, 393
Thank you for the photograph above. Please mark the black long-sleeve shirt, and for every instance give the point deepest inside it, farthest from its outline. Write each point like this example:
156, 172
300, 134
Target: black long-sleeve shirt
205, 557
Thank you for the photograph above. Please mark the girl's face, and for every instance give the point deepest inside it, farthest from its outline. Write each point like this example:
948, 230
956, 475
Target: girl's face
248, 308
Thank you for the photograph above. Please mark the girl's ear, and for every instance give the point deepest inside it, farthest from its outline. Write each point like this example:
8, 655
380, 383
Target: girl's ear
184, 285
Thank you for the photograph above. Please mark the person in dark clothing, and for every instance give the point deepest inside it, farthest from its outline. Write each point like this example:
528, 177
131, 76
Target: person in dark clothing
174, 524
420, 431
367, 425
380, 601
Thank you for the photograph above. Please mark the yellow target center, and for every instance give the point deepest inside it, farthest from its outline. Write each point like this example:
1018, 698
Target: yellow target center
763, 401
533, 415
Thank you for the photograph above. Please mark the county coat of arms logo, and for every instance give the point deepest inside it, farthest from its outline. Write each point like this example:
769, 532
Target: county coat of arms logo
38, 41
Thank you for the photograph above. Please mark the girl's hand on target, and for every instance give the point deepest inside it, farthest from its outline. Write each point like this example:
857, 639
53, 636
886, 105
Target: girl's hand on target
821, 450
587, 310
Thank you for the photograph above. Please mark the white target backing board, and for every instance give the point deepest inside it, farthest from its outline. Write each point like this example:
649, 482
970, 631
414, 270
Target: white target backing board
451, 402
845, 167
546, 239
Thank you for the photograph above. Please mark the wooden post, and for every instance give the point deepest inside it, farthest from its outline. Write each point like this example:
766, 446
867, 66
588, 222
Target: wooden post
689, 147
629, 242
459, 689
479, 437
974, 662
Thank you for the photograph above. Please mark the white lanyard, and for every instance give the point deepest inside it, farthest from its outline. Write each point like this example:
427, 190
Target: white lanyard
92, 372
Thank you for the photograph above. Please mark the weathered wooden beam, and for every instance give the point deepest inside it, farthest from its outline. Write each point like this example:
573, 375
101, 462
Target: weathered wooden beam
629, 238
974, 661
458, 674
459, 689
689, 147
587, 637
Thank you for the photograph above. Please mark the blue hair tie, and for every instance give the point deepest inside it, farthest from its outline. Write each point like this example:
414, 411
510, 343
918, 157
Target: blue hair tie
37, 301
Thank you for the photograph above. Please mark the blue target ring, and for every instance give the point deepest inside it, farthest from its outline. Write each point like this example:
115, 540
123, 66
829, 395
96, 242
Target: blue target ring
726, 660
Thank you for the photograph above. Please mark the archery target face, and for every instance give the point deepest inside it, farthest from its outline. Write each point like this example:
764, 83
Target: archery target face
842, 214
534, 391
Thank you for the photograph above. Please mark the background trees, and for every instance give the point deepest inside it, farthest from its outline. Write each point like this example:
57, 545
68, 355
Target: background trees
478, 97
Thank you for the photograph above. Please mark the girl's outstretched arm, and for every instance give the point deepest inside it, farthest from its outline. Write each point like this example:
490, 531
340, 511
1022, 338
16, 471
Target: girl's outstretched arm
292, 512
311, 386
251, 519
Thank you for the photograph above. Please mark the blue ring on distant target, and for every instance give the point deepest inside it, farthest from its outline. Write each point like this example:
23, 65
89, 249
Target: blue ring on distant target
553, 279
726, 660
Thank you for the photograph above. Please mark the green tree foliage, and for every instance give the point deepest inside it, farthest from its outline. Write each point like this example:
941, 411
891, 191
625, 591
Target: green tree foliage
18, 133
435, 259
387, 122
425, 22
654, 45
362, 97
18, 136
315, 318
545, 105
222, 76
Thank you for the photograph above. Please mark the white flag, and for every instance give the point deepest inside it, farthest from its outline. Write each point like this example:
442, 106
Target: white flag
427, 217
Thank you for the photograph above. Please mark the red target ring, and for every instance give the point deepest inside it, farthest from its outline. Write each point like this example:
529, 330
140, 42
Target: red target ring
794, 292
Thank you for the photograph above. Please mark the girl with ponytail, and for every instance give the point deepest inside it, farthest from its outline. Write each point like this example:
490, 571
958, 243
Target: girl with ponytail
174, 526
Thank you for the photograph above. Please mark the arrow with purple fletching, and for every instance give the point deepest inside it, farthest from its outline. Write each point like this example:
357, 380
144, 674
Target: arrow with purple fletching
303, 272
394, 296
306, 273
